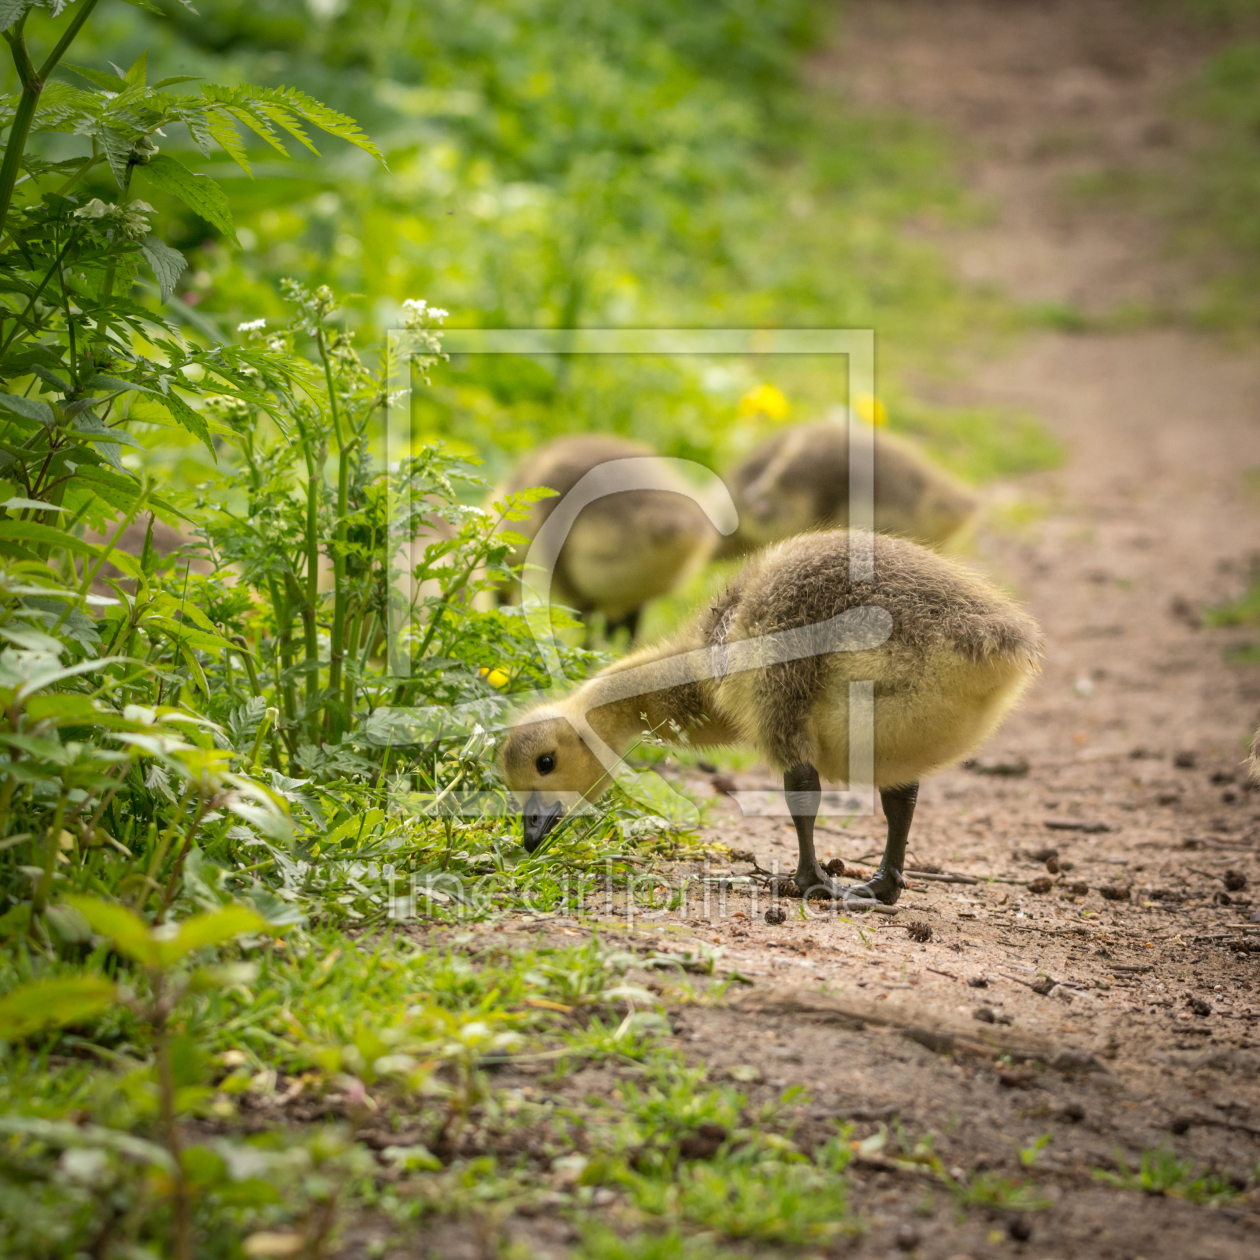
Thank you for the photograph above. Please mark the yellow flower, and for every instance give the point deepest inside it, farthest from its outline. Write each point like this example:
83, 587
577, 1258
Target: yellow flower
871, 410
495, 677
764, 400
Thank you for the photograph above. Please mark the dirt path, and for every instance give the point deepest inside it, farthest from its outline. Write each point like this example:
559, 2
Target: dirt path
1134, 735
1145, 1034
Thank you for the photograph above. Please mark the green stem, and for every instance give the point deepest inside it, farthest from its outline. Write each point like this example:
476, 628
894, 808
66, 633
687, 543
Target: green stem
32, 85
247, 655
20, 130
344, 448
284, 635
311, 602
52, 847
352, 649
170, 1121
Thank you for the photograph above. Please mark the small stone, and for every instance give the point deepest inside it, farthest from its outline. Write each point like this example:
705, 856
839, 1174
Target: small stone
724, 784
919, 931
978, 982
1114, 892
1180, 1125
1052, 865
1186, 760
1078, 889
1020, 1228
1072, 1111
1222, 899
704, 1142
1043, 855
1235, 881
776, 915
1042, 884
1043, 985
984, 1014
1199, 1007
908, 1237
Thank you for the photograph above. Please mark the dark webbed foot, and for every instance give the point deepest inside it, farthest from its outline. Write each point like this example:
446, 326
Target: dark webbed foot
885, 885
816, 883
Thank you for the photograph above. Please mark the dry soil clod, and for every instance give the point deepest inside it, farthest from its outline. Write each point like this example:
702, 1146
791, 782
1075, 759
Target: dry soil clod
776, 915
1235, 881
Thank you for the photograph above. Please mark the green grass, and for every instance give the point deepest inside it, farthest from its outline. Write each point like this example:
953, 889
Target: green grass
1162, 1173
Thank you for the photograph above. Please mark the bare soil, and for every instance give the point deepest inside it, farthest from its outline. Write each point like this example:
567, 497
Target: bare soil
1126, 758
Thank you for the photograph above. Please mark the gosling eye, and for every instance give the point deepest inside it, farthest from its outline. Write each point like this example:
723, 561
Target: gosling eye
546, 763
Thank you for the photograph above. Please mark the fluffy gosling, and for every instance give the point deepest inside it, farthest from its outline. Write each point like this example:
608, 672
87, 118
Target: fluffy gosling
624, 549
948, 656
798, 479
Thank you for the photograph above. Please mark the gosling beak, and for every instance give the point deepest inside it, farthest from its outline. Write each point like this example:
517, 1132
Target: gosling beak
537, 820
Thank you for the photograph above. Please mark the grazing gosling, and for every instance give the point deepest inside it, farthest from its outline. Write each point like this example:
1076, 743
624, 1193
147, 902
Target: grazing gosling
798, 479
947, 653
625, 548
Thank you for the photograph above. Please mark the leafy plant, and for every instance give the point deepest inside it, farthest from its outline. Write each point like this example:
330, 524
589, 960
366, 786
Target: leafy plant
1162, 1173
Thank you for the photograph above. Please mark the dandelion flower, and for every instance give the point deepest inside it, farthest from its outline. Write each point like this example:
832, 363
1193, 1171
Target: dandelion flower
764, 400
871, 410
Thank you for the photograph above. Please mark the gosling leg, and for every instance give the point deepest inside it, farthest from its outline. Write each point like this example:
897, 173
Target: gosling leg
629, 622
887, 882
803, 790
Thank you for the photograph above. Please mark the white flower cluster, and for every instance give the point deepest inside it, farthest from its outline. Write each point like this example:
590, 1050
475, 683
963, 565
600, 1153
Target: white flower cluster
417, 313
130, 219
253, 325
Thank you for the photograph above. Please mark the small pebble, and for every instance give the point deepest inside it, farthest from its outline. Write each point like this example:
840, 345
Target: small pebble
1072, 1111
776, 915
723, 784
1180, 1125
1199, 1007
1052, 865
1186, 760
1043, 985
984, 1014
1042, 884
908, 1237
978, 982
1235, 881
1078, 889
1020, 1228
1114, 892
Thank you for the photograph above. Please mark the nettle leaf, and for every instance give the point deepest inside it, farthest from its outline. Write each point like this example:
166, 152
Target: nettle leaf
167, 263
102, 80
62, 107
139, 70
50, 1003
192, 420
118, 146
11, 10
199, 193
28, 408
46, 535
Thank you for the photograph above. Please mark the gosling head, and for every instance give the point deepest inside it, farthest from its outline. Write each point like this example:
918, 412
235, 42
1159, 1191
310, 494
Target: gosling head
547, 766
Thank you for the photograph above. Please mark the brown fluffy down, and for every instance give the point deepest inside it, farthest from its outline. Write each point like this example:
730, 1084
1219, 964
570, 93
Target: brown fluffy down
798, 479
623, 549
957, 659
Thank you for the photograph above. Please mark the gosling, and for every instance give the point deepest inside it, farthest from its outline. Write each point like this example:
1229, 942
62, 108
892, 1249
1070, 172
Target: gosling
799, 479
625, 548
948, 656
